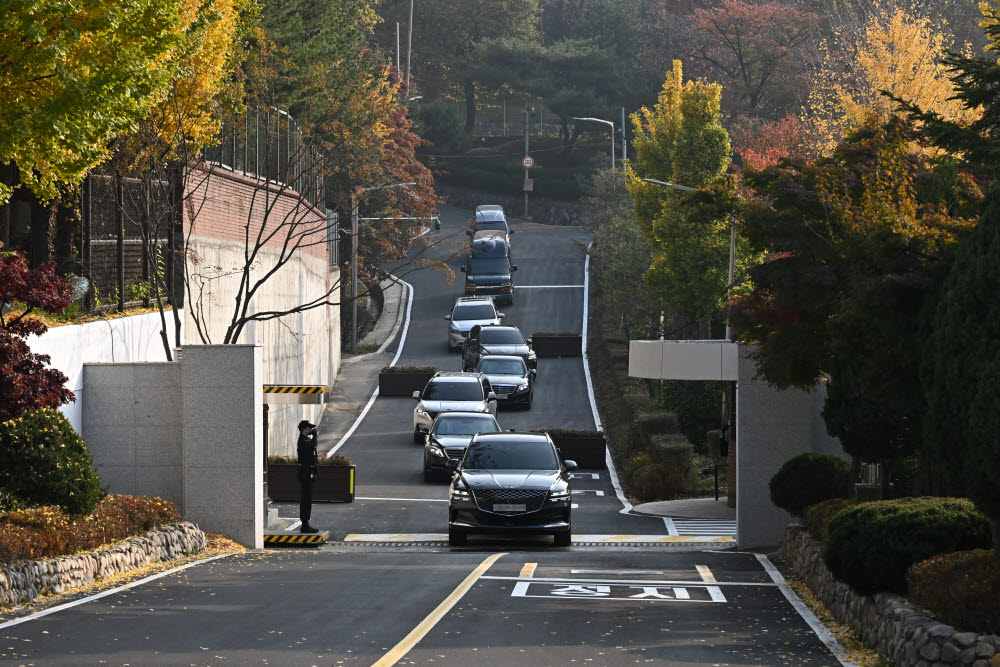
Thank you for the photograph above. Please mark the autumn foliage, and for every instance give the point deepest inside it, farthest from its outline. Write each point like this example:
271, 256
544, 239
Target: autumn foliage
26, 381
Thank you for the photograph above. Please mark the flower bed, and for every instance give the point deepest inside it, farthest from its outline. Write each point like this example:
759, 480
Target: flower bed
48, 532
403, 380
563, 344
334, 480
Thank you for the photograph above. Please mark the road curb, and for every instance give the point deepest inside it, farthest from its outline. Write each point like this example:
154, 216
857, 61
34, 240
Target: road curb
399, 288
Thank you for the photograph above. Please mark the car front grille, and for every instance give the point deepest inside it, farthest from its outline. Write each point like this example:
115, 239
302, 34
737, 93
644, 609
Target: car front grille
504, 388
531, 498
455, 452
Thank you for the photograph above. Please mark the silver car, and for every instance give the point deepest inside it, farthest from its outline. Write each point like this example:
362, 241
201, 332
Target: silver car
467, 313
449, 436
451, 392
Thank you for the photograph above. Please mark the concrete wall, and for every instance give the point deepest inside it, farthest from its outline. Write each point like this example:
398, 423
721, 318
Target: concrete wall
772, 426
133, 338
189, 431
299, 349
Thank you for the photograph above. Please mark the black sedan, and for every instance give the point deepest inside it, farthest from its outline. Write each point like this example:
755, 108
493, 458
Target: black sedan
510, 483
448, 438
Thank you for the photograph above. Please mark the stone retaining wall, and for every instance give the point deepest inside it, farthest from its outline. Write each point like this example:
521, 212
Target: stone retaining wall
902, 631
25, 582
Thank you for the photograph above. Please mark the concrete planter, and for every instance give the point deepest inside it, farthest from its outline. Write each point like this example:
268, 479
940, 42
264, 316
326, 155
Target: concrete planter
557, 345
588, 452
335, 484
402, 384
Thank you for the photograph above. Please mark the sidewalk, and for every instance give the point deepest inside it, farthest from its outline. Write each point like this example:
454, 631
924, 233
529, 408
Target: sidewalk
689, 508
358, 375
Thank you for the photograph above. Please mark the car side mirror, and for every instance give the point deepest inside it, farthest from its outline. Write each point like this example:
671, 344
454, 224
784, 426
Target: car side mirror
532, 371
416, 395
462, 268
468, 232
447, 317
491, 396
569, 465
513, 268
501, 316
528, 341
437, 224
512, 231
451, 464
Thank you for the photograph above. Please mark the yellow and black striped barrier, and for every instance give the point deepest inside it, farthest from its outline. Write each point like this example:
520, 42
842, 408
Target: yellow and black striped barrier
289, 539
296, 393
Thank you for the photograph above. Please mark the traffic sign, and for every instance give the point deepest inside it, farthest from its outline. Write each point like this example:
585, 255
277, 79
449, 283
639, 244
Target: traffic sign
528, 161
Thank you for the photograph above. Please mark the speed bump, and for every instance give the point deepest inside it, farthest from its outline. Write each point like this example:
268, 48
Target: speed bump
275, 538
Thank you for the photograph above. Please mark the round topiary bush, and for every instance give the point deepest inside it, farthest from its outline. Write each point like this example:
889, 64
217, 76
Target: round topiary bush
808, 479
961, 589
43, 461
873, 545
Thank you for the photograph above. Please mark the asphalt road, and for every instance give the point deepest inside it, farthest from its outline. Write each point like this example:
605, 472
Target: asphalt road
496, 602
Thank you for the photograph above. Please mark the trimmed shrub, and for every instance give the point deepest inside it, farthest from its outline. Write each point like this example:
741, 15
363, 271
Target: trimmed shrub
48, 532
818, 517
808, 479
335, 460
44, 462
672, 450
408, 369
654, 423
961, 589
871, 546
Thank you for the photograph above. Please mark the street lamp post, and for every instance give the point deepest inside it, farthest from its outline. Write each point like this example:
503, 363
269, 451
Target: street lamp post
612, 126
354, 255
528, 112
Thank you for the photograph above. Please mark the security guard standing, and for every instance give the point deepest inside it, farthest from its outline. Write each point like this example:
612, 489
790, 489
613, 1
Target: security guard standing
308, 471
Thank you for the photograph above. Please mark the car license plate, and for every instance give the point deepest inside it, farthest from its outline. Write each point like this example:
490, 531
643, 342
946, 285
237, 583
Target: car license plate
503, 395
502, 507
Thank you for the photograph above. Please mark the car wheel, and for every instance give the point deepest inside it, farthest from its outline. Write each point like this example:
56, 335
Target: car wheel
456, 538
563, 539
418, 437
510, 299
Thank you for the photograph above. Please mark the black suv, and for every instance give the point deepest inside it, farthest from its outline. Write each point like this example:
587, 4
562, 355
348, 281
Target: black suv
496, 339
491, 276
510, 483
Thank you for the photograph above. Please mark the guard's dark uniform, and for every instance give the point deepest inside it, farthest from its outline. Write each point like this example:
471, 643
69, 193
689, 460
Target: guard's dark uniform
308, 469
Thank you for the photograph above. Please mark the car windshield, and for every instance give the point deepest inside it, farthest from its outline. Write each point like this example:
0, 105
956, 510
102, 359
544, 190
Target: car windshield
499, 336
489, 248
443, 390
465, 425
479, 311
536, 455
489, 267
494, 366
491, 225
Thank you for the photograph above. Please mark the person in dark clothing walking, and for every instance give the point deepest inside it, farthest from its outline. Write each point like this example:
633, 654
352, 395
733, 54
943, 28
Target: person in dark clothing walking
308, 470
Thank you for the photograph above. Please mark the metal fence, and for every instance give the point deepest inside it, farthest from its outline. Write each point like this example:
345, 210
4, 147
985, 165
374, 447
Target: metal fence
267, 144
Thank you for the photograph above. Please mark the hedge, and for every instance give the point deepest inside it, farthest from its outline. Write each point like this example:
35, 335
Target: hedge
871, 546
44, 462
808, 479
336, 460
818, 517
961, 589
408, 369
48, 532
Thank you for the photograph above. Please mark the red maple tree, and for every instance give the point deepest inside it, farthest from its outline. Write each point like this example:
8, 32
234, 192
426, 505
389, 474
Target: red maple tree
26, 381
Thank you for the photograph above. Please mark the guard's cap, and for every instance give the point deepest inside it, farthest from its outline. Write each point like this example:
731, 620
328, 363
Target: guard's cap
306, 424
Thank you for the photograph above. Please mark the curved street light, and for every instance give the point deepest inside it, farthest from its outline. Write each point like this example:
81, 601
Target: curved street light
612, 126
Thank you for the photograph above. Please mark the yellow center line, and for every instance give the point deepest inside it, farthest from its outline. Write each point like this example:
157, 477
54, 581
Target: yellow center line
528, 570
409, 641
706, 574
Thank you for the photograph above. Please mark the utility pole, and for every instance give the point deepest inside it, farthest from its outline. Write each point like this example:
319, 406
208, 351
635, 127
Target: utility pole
354, 272
397, 48
624, 154
527, 133
409, 48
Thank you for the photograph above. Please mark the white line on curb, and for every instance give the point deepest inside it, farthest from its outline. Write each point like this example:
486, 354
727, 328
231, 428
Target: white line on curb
399, 351
103, 594
806, 613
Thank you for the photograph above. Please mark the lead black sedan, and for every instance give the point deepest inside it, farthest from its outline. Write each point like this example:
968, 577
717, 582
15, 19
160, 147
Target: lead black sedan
510, 483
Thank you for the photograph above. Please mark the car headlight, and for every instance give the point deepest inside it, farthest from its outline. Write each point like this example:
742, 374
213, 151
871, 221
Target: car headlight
438, 451
460, 494
421, 412
455, 331
522, 387
559, 495
531, 354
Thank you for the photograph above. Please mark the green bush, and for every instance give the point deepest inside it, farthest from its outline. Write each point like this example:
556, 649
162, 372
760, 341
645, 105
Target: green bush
808, 479
654, 423
673, 450
872, 545
336, 460
698, 406
570, 433
818, 517
408, 369
961, 589
44, 462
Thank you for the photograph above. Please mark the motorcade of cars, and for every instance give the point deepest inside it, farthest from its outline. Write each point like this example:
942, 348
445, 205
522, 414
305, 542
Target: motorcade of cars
512, 483
496, 339
451, 392
510, 377
467, 312
489, 245
493, 276
489, 217
449, 436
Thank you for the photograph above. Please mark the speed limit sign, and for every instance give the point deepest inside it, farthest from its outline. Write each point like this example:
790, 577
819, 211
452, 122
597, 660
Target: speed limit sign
528, 161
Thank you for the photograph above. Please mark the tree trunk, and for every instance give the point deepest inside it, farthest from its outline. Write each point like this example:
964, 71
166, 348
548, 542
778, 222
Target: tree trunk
995, 521
470, 107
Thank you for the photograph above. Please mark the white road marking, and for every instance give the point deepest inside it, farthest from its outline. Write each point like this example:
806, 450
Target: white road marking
103, 594
664, 540
573, 506
705, 526
416, 500
528, 570
671, 528
706, 574
399, 351
584, 475
582, 492
545, 286
688, 583
806, 613
588, 590
619, 572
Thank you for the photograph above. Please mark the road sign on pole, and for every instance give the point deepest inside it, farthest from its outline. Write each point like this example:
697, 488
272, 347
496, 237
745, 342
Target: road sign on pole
528, 161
